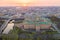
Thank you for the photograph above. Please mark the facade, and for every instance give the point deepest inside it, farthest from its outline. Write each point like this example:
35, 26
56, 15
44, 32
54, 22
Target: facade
37, 24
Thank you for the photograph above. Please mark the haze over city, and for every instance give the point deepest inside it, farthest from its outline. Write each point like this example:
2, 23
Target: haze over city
29, 2
29, 19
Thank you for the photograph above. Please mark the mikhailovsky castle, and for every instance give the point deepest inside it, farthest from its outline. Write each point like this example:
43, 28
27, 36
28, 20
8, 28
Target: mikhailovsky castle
36, 22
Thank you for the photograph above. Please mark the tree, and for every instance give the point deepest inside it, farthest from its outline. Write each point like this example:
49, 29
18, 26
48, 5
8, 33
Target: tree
13, 34
54, 19
38, 38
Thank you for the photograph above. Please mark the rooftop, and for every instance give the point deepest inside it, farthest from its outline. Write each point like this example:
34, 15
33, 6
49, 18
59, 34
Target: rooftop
45, 21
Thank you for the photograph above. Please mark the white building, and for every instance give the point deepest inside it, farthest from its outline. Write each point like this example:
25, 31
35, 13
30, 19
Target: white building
8, 28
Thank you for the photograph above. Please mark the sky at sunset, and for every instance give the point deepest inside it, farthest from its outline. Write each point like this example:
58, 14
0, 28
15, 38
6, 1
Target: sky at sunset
29, 2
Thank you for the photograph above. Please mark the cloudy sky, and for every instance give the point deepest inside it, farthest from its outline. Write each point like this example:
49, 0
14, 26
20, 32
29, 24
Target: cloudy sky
29, 2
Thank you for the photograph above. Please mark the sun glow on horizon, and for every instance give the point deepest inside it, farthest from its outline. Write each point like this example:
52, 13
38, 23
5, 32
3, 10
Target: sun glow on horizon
25, 2
29, 2
24, 5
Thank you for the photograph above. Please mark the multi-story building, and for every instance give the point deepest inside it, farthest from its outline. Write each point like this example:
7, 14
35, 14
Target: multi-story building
37, 24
